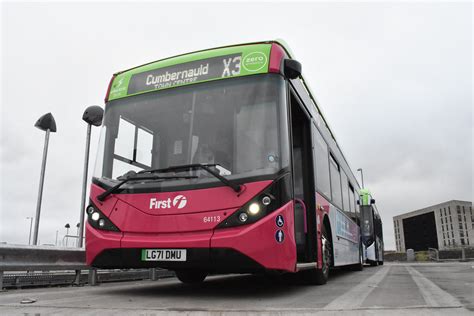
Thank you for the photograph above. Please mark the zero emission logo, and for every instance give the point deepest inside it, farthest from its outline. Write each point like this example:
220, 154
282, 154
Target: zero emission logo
254, 61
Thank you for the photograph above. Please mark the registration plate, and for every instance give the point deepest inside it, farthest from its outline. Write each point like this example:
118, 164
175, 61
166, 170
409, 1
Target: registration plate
163, 254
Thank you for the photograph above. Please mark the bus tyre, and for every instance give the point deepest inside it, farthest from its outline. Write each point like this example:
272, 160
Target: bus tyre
191, 277
374, 263
320, 276
380, 263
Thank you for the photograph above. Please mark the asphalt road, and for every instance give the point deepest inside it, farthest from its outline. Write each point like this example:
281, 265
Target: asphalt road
392, 289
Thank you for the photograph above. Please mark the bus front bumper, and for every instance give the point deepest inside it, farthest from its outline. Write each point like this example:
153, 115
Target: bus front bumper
248, 248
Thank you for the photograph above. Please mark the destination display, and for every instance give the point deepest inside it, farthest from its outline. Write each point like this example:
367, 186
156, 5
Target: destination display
214, 64
191, 72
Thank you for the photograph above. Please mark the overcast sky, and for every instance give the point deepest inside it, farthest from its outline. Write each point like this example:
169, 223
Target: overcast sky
393, 80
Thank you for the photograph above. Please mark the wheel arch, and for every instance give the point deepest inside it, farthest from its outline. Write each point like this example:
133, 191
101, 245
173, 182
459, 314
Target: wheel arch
327, 225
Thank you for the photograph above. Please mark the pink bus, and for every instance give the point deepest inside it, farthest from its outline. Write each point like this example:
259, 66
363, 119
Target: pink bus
220, 161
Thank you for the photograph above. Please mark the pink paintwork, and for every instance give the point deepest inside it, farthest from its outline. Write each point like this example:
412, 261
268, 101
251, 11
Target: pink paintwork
194, 225
131, 220
98, 240
258, 242
276, 56
197, 201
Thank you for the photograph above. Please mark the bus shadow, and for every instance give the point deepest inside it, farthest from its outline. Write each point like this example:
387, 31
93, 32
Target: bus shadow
235, 286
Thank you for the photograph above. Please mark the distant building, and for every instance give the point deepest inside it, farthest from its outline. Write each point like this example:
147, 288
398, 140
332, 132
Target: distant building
441, 226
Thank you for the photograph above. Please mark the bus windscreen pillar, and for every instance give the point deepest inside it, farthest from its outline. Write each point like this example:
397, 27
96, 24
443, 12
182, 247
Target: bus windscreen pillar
48, 124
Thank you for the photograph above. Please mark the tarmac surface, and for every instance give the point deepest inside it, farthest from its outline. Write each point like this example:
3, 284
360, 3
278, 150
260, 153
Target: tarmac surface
392, 289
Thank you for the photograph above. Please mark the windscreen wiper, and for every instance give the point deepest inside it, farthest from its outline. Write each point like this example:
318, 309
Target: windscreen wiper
206, 167
135, 177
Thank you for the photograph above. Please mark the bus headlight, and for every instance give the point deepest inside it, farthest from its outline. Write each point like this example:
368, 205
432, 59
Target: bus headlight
98, 220
254, 208
262, 204
95, 216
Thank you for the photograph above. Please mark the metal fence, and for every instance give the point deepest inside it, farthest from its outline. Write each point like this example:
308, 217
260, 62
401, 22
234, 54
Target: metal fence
432, 254
25, 266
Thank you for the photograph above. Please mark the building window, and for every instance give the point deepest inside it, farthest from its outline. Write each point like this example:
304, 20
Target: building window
449, 210
460, 225
452, 235
452, 226
449, 242
458, 209
445, 211
461, 234
459, 218
442, 220
462, 241
444, 242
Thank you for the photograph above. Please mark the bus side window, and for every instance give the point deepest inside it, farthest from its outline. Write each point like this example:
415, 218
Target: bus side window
352, 201
133, 148
345, 193
125, 139
321, 156
335, 182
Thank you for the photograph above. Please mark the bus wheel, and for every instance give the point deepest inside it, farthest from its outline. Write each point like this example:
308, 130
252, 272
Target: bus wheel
320, 276
380, 263
191, 276
374, 263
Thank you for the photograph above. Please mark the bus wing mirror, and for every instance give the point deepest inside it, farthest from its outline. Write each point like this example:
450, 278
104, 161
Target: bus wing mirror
292, 68
372, 201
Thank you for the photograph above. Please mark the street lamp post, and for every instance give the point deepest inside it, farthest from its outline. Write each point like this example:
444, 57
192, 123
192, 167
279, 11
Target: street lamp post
92, 116
48, 124
361, 176
31, 225
67, 226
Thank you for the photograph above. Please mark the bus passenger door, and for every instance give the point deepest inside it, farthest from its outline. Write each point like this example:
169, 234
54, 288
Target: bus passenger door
303, 183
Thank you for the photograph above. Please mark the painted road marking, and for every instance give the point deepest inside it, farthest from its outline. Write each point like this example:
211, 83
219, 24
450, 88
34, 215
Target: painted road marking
356, 296
433, 295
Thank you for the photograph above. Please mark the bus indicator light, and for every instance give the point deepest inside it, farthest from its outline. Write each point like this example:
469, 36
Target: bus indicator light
90, 210
243, 217
266, 200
